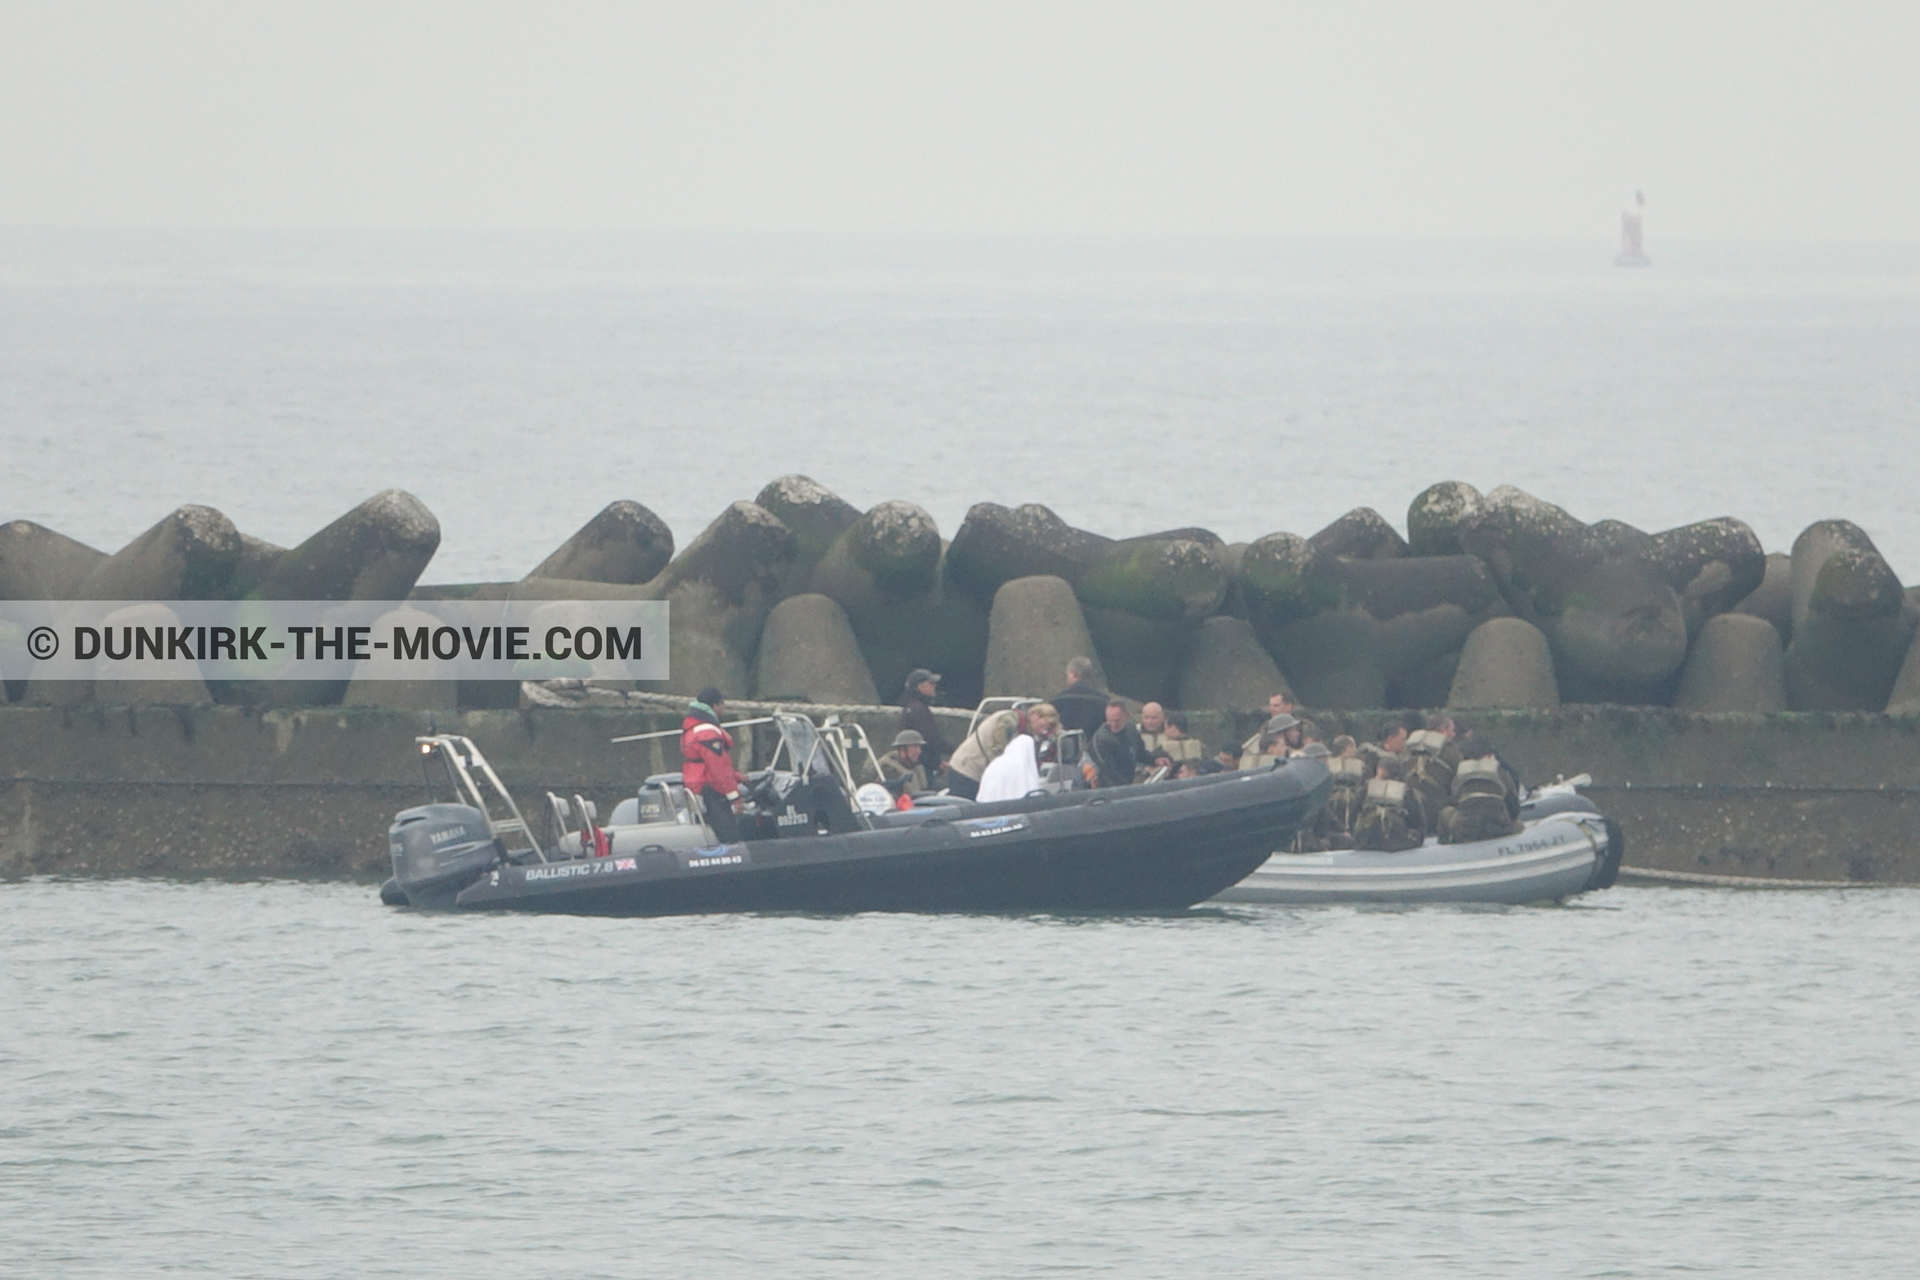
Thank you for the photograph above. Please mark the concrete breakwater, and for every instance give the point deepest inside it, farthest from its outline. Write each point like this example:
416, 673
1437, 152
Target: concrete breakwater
1497, 600
92, 790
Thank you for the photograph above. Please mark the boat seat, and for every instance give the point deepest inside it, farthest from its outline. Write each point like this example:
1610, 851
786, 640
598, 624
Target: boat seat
678, 836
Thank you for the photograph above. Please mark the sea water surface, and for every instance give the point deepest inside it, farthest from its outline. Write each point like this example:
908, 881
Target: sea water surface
287, 1080
518, 383
290, 1080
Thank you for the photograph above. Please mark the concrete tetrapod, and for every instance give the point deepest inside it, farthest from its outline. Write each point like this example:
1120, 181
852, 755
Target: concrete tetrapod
817, 516
1506, 663
1035, 629
720, 590
255, 565
1617, 537
1614, 622
1737, 664
1850, 625
433, 691
37, 563
1773, 598
502, 695
376, 551
887, 571
1905, 698
1437, 515
625, 543
808, 654
1142, 599
1712, 564
1227, 669
188, 555
1360, 633
1361, 534
176, 682
996, 544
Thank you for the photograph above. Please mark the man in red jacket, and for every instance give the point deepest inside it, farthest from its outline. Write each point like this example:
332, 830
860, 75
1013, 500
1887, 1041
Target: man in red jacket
706, 764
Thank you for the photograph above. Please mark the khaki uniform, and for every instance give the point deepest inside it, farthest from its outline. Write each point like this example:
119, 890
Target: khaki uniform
1309, 731
1481, 808
984, 745
893, 769
1393, 819
1431, 761
1342, 812
1372, 753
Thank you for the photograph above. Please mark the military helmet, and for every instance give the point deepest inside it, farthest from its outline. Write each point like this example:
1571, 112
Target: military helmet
909, 738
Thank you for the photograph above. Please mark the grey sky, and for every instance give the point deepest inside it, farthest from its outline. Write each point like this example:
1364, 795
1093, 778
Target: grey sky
1741, 120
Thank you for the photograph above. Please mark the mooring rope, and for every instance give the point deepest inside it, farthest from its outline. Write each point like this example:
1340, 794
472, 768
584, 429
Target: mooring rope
1655, 875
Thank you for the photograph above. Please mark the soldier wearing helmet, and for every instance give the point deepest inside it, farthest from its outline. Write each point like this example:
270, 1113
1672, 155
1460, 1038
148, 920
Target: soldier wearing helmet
901, 768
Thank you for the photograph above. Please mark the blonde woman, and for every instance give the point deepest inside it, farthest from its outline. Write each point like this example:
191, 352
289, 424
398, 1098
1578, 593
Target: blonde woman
1016, 770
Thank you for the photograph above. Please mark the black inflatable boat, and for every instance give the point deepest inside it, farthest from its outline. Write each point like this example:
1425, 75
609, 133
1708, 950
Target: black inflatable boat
814, 846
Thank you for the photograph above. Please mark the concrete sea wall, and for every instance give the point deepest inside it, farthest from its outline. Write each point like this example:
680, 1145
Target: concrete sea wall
94, 790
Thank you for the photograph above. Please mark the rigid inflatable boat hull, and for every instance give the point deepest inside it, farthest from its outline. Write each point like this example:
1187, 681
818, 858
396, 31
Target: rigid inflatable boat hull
1551, 858
1162, 847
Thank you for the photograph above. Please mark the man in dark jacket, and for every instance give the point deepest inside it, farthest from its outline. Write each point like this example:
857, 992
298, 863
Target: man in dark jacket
916, 713
1117, 750
1082, 704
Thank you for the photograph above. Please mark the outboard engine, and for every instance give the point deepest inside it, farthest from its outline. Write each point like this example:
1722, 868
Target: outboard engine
439, 849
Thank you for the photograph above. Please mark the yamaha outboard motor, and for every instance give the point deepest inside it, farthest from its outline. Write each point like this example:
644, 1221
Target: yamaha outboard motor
438, 850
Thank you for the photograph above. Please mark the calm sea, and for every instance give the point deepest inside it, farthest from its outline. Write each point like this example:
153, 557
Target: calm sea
519, 383
292, 1081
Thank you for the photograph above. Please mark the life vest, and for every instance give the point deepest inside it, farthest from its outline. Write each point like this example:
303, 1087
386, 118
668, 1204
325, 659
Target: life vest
1429, 770
1386, 822
1174, 749
706, 756
1348, 771
1479, 777
1477, 815
1344, 803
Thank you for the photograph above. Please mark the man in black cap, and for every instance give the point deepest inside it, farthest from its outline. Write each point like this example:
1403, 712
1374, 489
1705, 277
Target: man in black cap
916, 713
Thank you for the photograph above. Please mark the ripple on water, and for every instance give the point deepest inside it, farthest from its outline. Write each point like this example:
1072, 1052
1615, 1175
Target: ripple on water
287, 1079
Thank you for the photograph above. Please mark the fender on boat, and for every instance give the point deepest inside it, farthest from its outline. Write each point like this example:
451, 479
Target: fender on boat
1606, 868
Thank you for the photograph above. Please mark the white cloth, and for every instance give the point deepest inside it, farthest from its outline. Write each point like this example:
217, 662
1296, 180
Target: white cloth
1013, 774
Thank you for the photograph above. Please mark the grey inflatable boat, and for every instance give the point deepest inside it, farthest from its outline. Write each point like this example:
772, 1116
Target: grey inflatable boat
1565, 846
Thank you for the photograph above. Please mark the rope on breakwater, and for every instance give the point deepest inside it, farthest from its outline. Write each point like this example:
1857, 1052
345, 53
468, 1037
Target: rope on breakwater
1655, 876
